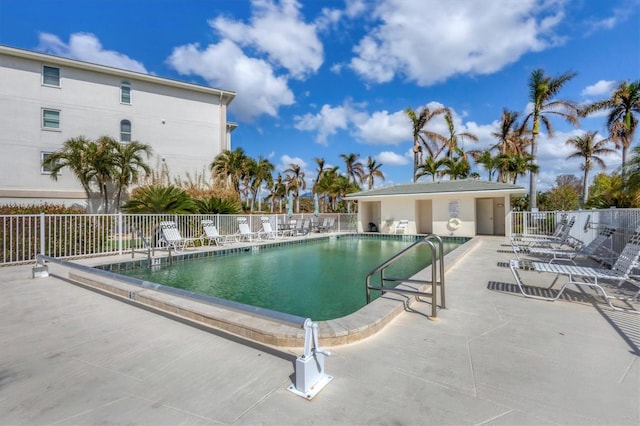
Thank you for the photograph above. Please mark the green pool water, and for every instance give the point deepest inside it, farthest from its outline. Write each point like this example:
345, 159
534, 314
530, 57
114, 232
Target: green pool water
320, 280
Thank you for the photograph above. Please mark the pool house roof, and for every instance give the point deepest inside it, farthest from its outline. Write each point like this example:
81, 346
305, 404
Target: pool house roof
439, 188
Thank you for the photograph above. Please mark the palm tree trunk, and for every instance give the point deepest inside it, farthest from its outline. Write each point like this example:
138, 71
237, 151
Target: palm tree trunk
533, 175
585, 186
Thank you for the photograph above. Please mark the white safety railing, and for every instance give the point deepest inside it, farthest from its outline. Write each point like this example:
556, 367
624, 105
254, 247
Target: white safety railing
22, 237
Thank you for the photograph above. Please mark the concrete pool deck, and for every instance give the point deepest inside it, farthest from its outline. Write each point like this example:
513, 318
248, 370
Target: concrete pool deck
247, 324
73, 356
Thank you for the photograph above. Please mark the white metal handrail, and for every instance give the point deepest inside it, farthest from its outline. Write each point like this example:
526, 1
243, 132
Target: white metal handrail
437, 256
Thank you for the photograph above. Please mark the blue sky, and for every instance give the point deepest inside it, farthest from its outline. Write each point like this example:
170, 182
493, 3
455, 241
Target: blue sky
324, 78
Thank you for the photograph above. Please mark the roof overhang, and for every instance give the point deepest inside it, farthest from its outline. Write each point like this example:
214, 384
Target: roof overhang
226, 96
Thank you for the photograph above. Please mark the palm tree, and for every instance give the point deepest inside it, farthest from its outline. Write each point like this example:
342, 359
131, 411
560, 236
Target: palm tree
159, 199
632, 184
230, 166
277, 192
320, 170
421, 137
102, 157
72, 155
542, 90
431, 167
514, 165
128, 164
456, 168
488, 161
588, 149
261, 172
621, 121
508, 134
355, 170
325, 188
372, 172
295, 182
455, 139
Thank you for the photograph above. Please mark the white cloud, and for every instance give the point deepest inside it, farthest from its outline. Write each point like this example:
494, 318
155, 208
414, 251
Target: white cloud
286, 161
552, 158
389, 158
602, 87
86, 47
279, 31
326, 122
413, 38
224, 64
382, 128
331, 17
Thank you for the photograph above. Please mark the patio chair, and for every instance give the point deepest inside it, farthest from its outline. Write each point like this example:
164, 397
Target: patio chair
401, 227
267, 230
212, 235
172, 238
287, 229
245, 232
619, 273
303, 227
595, 248
327, 224
560, 238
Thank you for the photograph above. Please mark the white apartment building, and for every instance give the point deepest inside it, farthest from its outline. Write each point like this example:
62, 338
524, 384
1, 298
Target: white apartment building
46, 100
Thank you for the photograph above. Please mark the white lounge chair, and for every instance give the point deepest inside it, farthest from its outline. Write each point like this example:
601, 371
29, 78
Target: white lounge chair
594, 248
245, 232
172, 238
619, 273
267, 230
560, 238
211, 234
401, 227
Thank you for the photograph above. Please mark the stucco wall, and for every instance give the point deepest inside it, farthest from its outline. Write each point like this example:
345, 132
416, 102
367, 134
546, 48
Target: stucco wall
396, 209
185, 127
443, 207
466, 214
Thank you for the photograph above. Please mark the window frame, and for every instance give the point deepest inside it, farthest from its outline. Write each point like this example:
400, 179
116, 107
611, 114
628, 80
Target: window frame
43, 121
125, 84
122, 122
44, 82
43, 155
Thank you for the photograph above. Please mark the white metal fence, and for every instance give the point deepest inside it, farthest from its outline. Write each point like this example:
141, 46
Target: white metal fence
587, 223
68, 236
22, 237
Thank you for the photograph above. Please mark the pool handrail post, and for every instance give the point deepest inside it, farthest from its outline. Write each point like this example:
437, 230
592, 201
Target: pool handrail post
310, 375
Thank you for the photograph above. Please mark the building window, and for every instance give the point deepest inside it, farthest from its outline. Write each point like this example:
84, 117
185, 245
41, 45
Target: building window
51, 119
45, 169
50, 76
125, 131
125, 93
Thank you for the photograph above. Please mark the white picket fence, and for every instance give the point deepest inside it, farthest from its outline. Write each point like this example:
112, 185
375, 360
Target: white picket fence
22, 237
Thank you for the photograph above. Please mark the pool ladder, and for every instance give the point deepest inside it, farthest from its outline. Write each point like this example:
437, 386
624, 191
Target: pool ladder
145, 244
437, 255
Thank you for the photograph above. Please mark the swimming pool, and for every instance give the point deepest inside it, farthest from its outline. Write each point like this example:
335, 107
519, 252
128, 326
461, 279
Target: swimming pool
322, 279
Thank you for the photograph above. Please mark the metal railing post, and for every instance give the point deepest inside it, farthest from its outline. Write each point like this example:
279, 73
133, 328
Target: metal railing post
42, 233
120, 233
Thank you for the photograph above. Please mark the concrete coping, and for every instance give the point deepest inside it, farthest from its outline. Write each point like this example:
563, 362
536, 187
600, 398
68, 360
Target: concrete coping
348, 329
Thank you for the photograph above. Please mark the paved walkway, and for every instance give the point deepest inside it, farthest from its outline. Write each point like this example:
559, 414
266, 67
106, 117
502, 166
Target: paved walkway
72, 356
